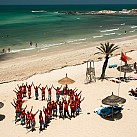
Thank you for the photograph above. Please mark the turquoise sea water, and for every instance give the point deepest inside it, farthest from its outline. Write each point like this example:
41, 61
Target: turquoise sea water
45, 26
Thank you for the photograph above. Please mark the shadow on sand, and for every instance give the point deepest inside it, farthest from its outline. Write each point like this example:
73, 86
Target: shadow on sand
115, 117
2, 117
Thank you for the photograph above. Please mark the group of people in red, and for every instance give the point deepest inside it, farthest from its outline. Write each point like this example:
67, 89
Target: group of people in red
66, 100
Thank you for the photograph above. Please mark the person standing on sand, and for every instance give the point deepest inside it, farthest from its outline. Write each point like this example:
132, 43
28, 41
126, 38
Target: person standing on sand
36, 91
57, 92
49, 93
33, 122
66, 109
41, 121
43, 92
22, 115
45, 110
60, 109
28, 118
29, 90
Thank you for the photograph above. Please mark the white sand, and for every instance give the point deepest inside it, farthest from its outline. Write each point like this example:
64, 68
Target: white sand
83, 125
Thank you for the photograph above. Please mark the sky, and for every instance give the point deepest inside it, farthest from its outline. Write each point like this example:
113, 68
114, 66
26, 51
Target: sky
54, 2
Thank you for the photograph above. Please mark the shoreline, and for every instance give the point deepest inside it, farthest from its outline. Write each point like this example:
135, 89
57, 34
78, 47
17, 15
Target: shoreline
25, 67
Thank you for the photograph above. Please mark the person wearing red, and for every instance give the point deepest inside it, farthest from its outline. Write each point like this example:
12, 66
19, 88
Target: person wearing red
54, 108
49, 106
60, 109
49, 92
45, 110
29, 90
57, 92
41, 121
65, 92
32, 120
18, 93
23, 114
66, 109
78, 109
24, 91
77, 95
43, 92
17, 111
28, 114
73, 108
36, 91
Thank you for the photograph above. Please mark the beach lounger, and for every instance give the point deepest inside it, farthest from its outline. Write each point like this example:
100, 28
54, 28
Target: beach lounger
112, 66
107, 110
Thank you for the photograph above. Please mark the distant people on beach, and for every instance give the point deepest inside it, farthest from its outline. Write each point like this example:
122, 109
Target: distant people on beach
3, 50
9, 50
125, 31
36, 45
30, 43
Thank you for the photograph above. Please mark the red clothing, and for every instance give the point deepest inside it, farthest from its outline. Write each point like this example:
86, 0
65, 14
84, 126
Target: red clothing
41, 119
36, 89
66, 106
61, 106
29, 88
76, 97
49, 91
54, 106
57, 91
29, 93
73, 107
43, 91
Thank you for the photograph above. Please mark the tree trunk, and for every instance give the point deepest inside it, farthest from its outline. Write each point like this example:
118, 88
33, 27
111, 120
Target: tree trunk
104, 67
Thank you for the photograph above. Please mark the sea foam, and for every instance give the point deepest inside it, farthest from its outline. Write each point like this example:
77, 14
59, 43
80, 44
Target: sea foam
98, 36
38, 11
109, 30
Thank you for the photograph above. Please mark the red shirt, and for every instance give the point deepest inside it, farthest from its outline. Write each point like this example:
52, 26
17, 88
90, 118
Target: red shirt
73, 106
43, 91
57, 91
41, 119
49, 91
61, 106
66, 106
29, 88
36, 89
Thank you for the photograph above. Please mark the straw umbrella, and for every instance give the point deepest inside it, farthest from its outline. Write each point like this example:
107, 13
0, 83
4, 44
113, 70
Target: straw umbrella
1, 104
66, 80
113, 100
125, 69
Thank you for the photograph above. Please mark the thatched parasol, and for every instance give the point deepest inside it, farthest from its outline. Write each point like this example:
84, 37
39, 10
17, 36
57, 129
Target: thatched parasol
125, 68
1, 104
113, 100
66, 80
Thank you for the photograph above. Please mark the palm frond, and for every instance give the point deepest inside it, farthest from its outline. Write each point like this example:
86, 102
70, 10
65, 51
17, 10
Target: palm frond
107, 48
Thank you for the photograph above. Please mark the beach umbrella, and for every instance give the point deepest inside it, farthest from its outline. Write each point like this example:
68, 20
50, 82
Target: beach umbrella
66, 80
1, 104
113, 100
125, 68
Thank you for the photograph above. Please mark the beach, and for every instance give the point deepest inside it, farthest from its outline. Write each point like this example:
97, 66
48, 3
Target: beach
58, 57
48, 67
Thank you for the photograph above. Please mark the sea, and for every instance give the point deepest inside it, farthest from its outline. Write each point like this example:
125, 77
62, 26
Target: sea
29, 28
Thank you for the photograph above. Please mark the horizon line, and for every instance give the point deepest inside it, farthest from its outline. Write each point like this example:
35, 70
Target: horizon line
65, 4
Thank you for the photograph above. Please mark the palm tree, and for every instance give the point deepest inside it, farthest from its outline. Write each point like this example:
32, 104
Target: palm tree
106, 49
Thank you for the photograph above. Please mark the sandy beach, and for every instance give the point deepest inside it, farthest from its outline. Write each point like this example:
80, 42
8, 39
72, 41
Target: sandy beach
47, 69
